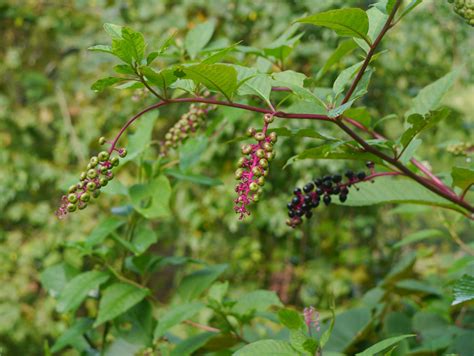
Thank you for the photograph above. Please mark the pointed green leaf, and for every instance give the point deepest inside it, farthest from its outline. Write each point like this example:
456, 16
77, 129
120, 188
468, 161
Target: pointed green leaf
195, 283
463, 289
267, 348
55, 278
143, 238
176, 315
102, 230
418, 236
162, 79
291, 319
77, 289
429, 98
344, 47
258, 300
383, 345
418, 123
152, 199
197, 38
114, 31
103, 83
117, 299
101, 48
462, 177
216, 77
74, 336
351, 22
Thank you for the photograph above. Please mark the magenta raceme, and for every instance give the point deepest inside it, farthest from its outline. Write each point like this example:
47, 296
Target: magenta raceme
98, 174
309, 198
254, 166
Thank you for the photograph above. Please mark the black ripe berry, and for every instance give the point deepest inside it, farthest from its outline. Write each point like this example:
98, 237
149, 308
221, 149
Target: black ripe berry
299, 212
309, 214
318, 182
327, 199
342, 198
336, 190
350, 174
337, 178
361, 175
289, 206
327, 178
295, 200
370, 164
308, 187
291, 213
297, 191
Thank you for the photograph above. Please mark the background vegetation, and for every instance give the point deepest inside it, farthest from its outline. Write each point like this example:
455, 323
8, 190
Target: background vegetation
390, 269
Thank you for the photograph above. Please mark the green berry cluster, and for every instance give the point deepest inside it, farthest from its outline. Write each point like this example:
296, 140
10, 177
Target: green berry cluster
464, 8
98, 173
187, 125
461, 149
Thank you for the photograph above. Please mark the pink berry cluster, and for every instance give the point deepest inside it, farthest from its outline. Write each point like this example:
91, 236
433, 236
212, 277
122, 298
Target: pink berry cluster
187, 125
98, 174
253, 167
311, 319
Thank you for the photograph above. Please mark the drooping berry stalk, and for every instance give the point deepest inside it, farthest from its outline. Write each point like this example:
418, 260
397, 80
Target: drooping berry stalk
98, 174
253, 168
188, 124
308, 198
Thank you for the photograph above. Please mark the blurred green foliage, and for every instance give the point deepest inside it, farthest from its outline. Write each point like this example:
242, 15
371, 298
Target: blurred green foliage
50, 121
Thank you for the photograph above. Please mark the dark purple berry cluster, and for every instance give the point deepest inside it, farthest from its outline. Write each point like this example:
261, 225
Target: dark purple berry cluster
253, 168
325, 189
97, 175
187, 125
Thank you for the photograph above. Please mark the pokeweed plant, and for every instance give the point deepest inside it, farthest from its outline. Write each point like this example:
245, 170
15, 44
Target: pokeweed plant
124, 308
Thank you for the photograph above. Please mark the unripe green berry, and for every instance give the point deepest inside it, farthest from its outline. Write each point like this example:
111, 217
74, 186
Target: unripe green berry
122, 152
103, 156
83, 176
110, 176
270, 156
82, 206
257, 171
238, 173
263, 163
71, 207
104, 170
72, 198
241, 162
103, 181
265, 172
261, 181
253, 186
168, 136
260, 153
85, 197
102, 141
91, 186
268, 118
91, 173
259, 136
96, 193
72, 189
267, 146
246, 149
94, 161
273, 137
115, 161
251, 131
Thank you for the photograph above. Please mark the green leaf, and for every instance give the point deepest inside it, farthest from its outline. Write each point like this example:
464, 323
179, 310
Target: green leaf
77, 289
351, 22
101, 48
462, 177
344, 78
124, 69
418, 236
140, 140
383, 345
463, 289
338, 111
114, 31
344, 47
143, 238
429, 98
137, 324
290, 77
402, 190
218, 291
176, 315
360, 114
215, 77
298, 338
267, 348
197, 38
130, 47
194, 178
152, 199
55, 278
103, 83
291, 319
117, 299
417, 286
260, 85
197, 282
102, 230
74, 336
418, 123
219, 55
190, 152
308, 132
191, 344
258, 300
282, 47
162, 79
349, 326
410, 7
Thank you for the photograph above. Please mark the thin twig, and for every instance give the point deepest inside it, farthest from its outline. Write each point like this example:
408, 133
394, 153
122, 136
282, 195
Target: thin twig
202, 327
